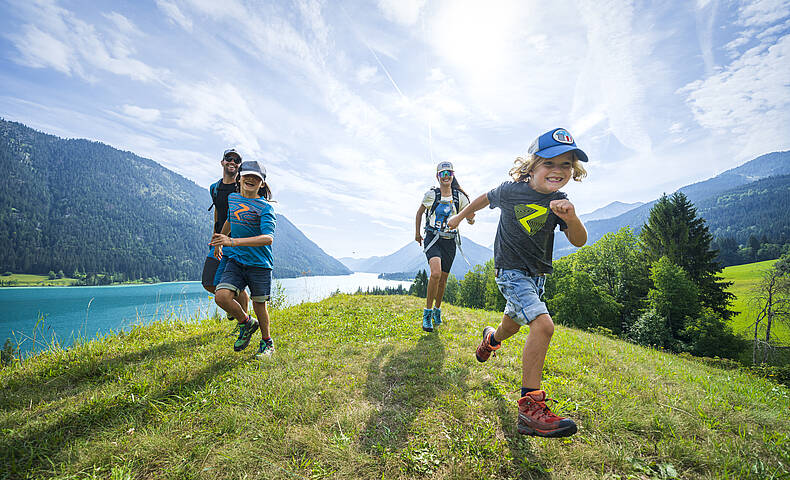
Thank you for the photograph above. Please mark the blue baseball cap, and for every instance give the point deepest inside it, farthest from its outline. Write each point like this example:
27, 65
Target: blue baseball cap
555, 142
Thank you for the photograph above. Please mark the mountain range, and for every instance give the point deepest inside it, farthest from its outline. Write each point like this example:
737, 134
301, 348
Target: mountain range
612, 210
77, 205
411, 259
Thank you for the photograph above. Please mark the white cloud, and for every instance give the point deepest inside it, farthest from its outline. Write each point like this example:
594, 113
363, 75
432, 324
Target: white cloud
221, 108
758, 13
41, 50
174, 14
122, 24
405, 12
748, 100
366, 73
614, 53
144, 114
76, 46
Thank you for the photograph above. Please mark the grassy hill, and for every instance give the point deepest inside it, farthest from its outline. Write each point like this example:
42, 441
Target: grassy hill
357, 390
745, 278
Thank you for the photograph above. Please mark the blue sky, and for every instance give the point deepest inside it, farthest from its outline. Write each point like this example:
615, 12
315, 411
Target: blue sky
350, 104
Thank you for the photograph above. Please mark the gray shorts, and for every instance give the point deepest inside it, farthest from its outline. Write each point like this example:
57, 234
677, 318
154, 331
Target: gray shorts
522, 293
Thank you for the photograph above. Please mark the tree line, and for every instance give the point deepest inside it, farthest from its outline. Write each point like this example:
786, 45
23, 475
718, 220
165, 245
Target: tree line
660, 288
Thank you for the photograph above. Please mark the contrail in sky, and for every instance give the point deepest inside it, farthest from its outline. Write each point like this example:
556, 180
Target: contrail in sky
386, 72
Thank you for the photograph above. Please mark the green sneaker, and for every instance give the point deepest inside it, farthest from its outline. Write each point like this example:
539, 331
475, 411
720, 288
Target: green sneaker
245, 334
235, 330
265, 349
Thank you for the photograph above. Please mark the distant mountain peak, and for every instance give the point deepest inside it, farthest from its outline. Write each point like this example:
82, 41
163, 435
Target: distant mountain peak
609, 211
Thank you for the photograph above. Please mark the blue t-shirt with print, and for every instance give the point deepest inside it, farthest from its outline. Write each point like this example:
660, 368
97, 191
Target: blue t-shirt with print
250, 217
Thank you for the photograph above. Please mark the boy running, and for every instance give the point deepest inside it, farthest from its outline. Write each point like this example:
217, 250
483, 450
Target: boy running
531, 206
251, 222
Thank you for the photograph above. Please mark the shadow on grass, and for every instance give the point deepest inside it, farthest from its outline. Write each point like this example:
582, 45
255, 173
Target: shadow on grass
67, 376
526, 463
45, 444
401, 384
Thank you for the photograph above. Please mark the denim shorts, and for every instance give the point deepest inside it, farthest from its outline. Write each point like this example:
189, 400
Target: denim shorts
237, 276
522, 293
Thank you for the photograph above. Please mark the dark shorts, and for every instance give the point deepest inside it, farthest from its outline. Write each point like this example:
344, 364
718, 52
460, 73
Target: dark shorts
210, 271
444, 248
237, 276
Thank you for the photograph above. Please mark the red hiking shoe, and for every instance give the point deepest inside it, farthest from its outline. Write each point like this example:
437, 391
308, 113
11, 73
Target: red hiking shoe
485, 349
535, 418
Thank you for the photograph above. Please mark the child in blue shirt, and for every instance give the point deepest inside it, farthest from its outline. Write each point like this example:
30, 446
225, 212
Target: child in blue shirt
251, 222
531, 208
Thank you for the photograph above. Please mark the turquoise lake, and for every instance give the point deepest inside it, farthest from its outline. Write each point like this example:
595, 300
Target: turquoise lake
33, 316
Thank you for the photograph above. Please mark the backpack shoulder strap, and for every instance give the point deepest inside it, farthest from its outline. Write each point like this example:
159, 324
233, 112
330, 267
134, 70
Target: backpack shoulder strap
457, 200
437, 196
213, 191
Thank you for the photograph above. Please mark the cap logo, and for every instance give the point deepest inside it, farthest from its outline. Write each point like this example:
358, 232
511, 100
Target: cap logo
563, 136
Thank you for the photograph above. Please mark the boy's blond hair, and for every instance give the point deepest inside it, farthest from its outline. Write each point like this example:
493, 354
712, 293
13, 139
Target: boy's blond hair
522, 167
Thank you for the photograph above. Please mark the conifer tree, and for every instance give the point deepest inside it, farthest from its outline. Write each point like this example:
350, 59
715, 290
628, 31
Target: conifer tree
674, 230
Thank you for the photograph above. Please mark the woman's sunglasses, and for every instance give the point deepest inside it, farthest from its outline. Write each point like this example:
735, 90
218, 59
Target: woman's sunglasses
445, 173
232, 158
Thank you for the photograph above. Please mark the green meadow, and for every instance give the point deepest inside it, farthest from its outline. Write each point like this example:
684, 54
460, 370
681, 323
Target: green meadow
357, 390
745, 278
32, 280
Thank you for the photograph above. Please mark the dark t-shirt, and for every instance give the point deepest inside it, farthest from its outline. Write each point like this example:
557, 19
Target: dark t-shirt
221, 203
525, 235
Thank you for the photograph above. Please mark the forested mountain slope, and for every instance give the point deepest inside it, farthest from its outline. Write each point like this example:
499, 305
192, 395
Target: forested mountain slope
81, 205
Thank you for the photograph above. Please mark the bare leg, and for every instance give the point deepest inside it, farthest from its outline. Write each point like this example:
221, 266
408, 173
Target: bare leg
507, 328
244, 301
433, 281
262, 312
534, 355
226, 300
440, 288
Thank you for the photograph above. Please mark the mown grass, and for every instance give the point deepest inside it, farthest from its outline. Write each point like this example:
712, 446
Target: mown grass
357, 390
745, 278
31, 280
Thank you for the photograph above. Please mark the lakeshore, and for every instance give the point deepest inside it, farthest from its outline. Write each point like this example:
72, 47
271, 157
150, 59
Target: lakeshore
36, 318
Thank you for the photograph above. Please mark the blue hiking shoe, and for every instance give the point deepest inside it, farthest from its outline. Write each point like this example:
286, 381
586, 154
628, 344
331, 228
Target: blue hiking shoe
427, 325
437, 316
245, 334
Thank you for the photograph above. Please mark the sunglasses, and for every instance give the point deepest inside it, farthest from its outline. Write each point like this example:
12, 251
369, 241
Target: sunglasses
232, 158
445, 174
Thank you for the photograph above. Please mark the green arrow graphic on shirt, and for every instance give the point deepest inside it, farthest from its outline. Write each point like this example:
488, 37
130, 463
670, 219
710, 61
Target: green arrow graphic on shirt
531, 217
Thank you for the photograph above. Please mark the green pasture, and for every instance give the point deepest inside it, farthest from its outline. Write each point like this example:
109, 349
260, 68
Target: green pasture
30, 280
745, 278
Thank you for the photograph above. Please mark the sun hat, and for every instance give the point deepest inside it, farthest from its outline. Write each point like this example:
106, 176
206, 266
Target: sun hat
252, 168
444, 166
555, 142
